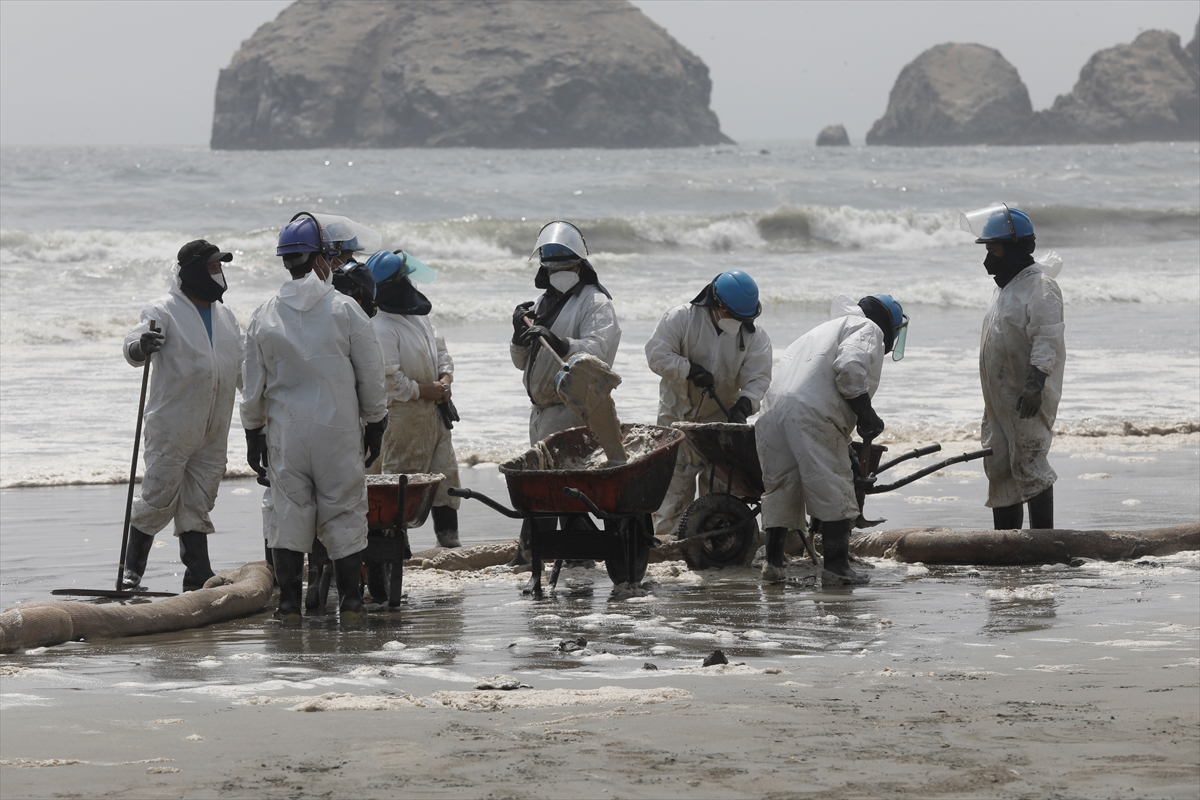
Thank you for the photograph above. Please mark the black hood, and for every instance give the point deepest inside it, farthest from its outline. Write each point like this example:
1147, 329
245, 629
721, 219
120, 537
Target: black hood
1017, 256
399, 296
196, 281
878, 313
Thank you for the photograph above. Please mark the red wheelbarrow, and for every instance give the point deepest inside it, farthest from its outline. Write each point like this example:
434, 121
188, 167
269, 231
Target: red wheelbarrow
563, 476
720, 529
394, 504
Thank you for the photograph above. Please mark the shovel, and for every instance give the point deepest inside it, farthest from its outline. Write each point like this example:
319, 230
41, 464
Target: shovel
120, 593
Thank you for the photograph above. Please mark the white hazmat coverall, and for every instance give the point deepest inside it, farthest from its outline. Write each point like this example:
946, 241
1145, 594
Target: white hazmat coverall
740, 366
313, 374
804, 431
1024, 326
588, 323
188, 410
415, 440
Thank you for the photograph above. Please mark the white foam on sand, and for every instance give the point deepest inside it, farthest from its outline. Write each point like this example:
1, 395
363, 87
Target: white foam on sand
555, 698
26, 763
1040, 591
15, 700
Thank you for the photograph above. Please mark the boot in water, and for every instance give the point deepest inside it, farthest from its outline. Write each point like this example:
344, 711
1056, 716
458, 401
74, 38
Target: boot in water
521, 559
289, 573
772, 569
136, 554
445, 526
193, 552
837, 571
349, 582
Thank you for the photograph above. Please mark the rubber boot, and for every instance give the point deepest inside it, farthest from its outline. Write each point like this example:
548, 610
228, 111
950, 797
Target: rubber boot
1041, 510
136, 553
349, 582
377, 581
772, 569
289, 572
1008, 518
521, 559
193, 552
836, 544
445, 526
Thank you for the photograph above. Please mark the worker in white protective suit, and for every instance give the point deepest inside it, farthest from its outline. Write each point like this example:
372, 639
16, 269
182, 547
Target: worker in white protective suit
821, 391
573, 315
313, 375
188, 411
419, 373
1022, 355
711, 345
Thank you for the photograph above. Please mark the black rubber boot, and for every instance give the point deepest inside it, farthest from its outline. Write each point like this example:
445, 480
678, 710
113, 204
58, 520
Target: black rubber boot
522, 556
289, 572
1041, 510
193, 552
1008, 518
445, 526
377, 581
836, 545
349, 583
137, 551
772, 568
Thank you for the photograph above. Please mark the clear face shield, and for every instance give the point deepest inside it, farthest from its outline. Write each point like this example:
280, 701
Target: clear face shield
991, 224
901, 336
561, 233
340, 234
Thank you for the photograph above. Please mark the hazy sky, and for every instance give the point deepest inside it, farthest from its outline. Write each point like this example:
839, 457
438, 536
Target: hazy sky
143, 72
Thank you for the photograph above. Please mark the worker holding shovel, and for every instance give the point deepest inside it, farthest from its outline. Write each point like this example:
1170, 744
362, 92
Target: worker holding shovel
573, 316
715, 365
197, 363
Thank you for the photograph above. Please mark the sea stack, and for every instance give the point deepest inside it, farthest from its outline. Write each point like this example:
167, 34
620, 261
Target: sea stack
833, 136
1145, 91
955, 94
463, 73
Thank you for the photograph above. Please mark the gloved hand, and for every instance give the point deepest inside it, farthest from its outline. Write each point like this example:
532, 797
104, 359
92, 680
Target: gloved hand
700, 376
373, 440
740, 410
559, 345
1030, 401
256, 452
151, 342
518, 320
869, 424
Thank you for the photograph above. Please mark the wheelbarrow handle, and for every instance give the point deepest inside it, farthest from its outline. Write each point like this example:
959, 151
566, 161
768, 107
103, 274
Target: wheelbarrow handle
920, 451
931, 468
470, 494
575, 494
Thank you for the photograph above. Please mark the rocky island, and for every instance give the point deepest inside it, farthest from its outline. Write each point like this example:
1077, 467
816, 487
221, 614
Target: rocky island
463, 73
960, 94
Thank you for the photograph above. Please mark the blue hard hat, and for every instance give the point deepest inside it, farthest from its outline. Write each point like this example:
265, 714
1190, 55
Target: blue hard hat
301, 235
894, 308
738, 292
899, 333
997, 223
386, 265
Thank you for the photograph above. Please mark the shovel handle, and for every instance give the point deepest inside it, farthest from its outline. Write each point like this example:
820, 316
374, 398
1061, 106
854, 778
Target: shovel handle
137, 441
712, 392
546, 344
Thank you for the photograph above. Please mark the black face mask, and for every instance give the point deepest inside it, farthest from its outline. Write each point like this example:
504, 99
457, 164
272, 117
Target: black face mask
1017, 256
197, 282
399, 296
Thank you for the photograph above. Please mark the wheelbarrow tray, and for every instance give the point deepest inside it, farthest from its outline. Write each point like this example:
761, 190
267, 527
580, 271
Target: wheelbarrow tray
383, 500
535, 485
731, 448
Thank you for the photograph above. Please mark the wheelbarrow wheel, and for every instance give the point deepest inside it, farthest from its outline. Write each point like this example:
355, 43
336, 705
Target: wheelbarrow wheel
714, 512
614, 561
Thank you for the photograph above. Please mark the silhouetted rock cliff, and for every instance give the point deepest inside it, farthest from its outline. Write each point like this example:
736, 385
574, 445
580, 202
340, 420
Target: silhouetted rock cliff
833, 136
509, 73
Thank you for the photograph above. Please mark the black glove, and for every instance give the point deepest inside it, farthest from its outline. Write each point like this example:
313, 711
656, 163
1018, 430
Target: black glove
700, 376
518, 320
869, 423
256, 452
373, 439
740, 410
558, 344
448, 413
1030, 401
151, 342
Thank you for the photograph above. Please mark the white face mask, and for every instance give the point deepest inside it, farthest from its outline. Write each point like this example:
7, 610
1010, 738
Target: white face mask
563, 281
729, 325
220, 279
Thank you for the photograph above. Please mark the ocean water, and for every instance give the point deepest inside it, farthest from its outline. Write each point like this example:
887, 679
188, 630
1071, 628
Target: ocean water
88, 235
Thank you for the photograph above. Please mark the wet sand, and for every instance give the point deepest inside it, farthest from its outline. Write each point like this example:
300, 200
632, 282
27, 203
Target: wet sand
1051, 681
